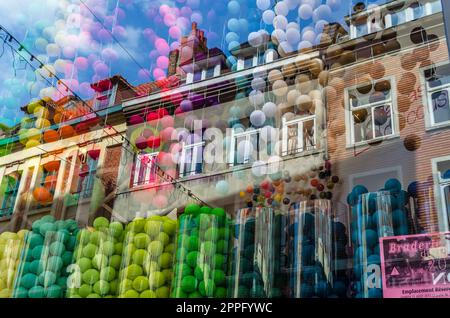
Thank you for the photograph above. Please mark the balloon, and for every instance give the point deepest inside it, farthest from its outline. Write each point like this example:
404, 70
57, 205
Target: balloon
259, 168
268, 17
293, 36
222, 187
257, 118
269, 109
263, 4
281, 8
234, 7
305, 11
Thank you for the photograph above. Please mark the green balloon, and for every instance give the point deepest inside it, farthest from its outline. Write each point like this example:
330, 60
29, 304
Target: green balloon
54, 291
36, 292
220, 292
206, 288
91, 276
188, 284
191, 259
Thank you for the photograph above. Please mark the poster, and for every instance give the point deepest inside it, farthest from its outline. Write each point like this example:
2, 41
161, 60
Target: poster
416, 266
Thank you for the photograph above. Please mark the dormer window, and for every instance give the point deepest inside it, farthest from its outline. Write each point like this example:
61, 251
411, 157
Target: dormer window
105, 99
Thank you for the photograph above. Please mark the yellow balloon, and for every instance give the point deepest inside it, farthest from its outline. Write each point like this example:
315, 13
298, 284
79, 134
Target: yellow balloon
41, 112
32, 143
33, 134
21, 234
32, 106
42, 123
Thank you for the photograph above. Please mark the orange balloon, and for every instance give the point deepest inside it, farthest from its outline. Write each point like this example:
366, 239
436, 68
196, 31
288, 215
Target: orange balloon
52, 165
67, 131
58, 118
50, 182
51, 136
42, 194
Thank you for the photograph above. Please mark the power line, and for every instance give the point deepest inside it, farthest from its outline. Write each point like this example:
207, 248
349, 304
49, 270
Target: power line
159, 170
112, 35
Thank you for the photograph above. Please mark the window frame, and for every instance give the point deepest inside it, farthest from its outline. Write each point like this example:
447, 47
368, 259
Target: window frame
439, 185
85, 185
9, 196
349, 121
299, 122
430, 122
112, 92
247, 134
135, 182
193, 170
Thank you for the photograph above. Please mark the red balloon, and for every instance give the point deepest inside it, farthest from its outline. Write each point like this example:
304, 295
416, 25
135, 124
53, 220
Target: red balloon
162, 112
152, 116
265, 185
153, 142
320, 187
141, 142
314, 182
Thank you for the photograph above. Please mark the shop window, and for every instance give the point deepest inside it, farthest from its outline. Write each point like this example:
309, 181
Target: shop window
105, 99
443, 178
298, 135
10, 186
145, 166
438, 92
191, 159
370, 112
245, 147
87, 174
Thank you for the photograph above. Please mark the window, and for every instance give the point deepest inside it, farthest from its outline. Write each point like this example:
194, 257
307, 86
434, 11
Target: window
198, 76
370, 111
438, 91
47, 183
145, 169
191, 159
10, 185
443, 180
87, 177
298, 135
210, 72
105, 99
245, 147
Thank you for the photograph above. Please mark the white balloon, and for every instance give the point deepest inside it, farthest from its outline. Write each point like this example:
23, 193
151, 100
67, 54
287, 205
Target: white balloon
281, 8
270, 109
280, 22
304, 45
257, 118
293, 25
285, 48
309, 35
279, 88
268, 17
263, 4
259, 168
278, 36
293, 36
305, 11
258, 84
256, 98
269, 133
255, 39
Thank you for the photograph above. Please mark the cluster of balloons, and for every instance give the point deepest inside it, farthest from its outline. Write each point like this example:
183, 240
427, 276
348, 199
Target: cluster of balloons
283, 188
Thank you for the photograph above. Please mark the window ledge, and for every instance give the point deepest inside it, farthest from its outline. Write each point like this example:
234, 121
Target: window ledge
437, 126
369, 142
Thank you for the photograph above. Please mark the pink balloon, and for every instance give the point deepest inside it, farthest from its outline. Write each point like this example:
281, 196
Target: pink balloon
69, 52
109, 55
174, 45
150, 35
120, 32
186, 11
158, 73
170, 19
153, 54
162, 47
167, 121
104, 36
167, 133
109, 21
121, 15
144, 74
101, 69
164, 9
81, 63
86, 90
162, 62
175, 32
183, 23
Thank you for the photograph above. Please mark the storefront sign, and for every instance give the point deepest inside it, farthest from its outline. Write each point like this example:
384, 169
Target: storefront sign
446, 12
416, 266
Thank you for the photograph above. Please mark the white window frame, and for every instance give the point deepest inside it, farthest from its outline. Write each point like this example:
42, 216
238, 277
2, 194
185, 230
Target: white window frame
137, 167
430, 122
299, 122
192, 147
247, 134
350, 129
112, 97
439, 186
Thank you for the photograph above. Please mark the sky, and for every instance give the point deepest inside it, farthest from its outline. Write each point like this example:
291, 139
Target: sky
83, 41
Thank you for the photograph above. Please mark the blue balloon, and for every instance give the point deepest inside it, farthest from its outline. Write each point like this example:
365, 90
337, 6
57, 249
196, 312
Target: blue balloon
401, 230
375, 293
361, 253
359, 189
233, 25
399, 218
373, 259
393, 185
234, 7
380, 218
322, 289
371, 238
